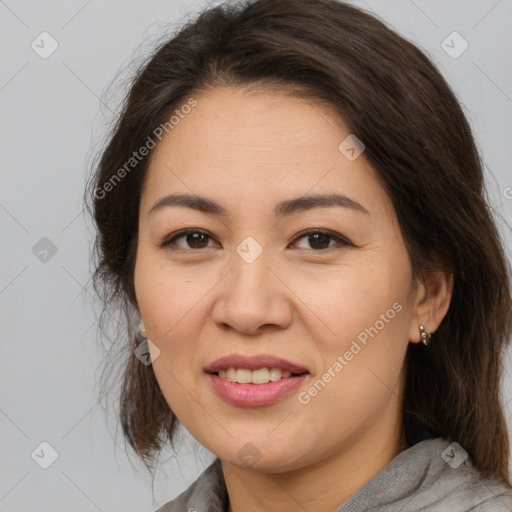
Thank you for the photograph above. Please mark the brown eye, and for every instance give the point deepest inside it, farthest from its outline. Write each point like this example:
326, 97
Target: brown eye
320, 240
194, 239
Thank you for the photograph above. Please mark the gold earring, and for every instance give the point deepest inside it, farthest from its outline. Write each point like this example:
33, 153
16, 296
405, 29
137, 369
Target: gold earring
424, 335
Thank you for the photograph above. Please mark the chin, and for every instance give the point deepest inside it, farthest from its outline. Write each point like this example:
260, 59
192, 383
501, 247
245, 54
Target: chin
263, 459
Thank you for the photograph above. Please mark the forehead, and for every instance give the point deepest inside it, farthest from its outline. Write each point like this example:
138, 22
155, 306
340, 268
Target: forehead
255, 145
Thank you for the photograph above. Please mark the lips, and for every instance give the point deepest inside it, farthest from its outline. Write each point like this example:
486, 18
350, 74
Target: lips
254, 362
255, 394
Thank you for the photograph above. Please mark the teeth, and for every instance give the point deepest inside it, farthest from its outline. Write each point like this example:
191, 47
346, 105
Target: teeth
260, 376
274, 374
243, 376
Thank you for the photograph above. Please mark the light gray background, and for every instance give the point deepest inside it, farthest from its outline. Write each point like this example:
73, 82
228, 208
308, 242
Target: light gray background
51, 120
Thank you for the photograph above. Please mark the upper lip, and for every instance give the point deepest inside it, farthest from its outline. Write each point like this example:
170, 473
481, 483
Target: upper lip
253, 362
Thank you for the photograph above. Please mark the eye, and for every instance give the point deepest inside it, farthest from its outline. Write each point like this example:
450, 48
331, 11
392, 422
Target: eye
194, 238
320, 239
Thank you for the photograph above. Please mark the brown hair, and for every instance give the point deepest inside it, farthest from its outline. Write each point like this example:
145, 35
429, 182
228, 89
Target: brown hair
417, 139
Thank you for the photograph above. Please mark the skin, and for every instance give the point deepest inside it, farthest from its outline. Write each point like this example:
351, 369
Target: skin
248, 150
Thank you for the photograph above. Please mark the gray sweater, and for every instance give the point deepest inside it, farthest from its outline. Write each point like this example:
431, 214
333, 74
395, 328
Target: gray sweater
430, 476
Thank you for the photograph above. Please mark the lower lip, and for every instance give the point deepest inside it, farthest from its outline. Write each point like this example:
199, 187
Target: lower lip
255, 395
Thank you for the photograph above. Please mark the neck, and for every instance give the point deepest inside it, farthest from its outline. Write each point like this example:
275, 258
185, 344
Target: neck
323, 485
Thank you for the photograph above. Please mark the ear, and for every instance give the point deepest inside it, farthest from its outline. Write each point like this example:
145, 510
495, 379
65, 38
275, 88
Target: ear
433, 296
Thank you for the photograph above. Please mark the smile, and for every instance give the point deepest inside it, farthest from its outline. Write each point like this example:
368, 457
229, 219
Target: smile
254, 381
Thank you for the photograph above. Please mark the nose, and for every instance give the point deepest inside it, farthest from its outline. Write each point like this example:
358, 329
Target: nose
252, 298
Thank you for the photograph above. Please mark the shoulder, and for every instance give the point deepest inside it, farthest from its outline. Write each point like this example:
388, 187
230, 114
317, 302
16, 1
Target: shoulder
434, 474
206, 494
501, 503
447, 480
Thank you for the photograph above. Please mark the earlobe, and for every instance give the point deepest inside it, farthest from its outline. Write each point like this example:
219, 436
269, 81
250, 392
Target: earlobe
433, 301
142, 330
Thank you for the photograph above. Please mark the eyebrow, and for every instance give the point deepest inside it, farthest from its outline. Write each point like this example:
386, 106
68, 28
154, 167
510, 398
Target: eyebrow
282, 209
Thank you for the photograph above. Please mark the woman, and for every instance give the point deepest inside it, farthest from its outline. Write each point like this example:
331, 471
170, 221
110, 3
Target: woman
291, 204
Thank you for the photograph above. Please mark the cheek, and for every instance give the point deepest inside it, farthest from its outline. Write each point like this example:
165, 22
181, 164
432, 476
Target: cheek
361, 375
346, 301
170, 304
361, 323
168, 299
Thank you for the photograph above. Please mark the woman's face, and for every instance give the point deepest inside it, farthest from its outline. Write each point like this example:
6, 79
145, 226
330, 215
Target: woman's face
255, 279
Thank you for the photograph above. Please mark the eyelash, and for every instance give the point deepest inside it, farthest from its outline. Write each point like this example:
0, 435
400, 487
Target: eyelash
170, 241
